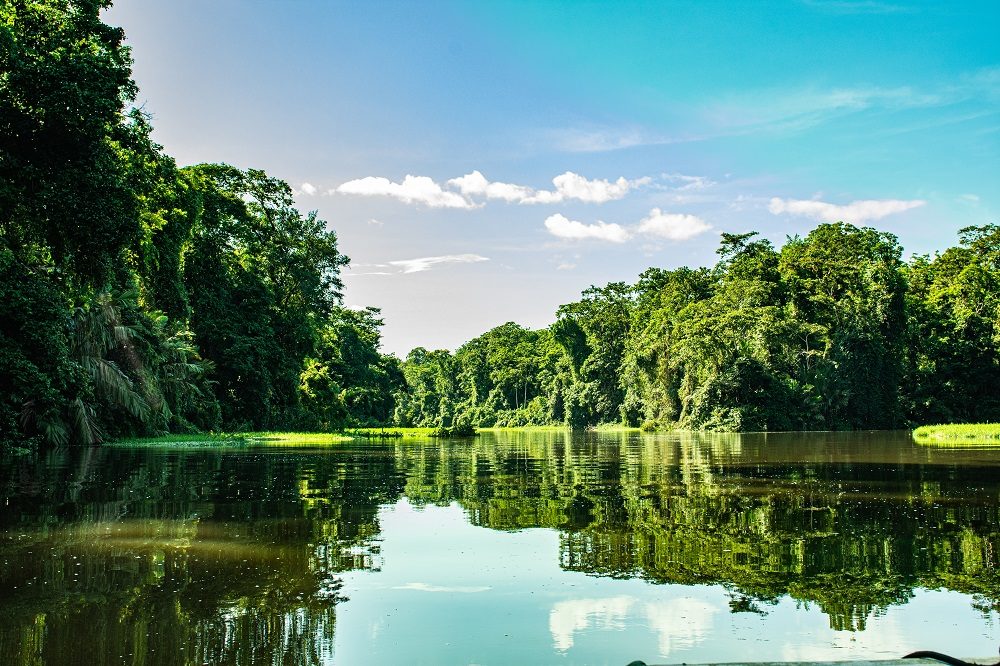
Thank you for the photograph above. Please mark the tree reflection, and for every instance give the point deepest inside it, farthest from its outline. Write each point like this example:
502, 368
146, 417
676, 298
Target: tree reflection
129, 556
190, 557
854, 529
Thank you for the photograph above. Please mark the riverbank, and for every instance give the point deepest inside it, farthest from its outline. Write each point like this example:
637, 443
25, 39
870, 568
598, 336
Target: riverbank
243, 439
958, 434
236, 439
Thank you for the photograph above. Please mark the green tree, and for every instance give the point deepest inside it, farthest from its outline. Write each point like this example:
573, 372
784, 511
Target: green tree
65, 192
261, 277
952, 360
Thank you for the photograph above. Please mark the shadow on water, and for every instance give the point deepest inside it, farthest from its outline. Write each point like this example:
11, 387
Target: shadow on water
233, 557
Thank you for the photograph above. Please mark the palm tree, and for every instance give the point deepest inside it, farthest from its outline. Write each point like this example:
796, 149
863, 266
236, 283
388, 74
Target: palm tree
97, 330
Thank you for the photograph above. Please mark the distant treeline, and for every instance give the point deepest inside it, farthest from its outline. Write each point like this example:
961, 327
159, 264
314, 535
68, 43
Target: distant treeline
138, 298
833, 331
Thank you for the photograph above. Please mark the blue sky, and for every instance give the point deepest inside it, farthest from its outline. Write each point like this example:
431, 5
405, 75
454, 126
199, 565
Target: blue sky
485, 162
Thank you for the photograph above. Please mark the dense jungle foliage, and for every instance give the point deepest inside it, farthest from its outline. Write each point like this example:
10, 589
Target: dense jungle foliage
138, 297
831, 332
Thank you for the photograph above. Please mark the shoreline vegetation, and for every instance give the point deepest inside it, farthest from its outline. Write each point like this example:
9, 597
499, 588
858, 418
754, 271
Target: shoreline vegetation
244, 439
959, 434
140, 298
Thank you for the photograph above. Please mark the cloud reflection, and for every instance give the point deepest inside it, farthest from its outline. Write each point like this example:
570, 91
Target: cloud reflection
678, 623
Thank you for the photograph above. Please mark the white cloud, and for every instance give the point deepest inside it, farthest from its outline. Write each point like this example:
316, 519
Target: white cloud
571, 185
413, 189
672, 226
574, 186
307, 188
476, 184
426, 263
568, 185
561, 226
856, 211
425, 191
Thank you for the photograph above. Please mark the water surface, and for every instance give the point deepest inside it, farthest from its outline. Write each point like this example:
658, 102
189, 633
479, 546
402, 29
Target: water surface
515, 547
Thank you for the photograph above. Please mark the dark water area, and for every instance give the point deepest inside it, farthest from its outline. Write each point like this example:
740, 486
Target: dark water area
515, 547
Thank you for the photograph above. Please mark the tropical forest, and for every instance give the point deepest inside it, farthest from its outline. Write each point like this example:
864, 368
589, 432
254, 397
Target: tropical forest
208, 453
143, 298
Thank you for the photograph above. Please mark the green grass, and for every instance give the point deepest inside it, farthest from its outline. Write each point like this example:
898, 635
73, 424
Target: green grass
236, 440
528, 428
959, 434
245, 439
391, 433
600, 427
614, 427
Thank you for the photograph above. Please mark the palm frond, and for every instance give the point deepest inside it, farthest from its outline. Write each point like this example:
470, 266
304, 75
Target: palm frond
114, 384
84, 423
53, 428
49, 423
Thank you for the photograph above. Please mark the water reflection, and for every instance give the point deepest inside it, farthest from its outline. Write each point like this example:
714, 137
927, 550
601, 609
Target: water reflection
132, 556
154, 557
678, 623
865, 520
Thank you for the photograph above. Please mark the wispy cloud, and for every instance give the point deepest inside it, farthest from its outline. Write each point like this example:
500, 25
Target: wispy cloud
421, 264
683, 182
426, 587
857, 6
658, 224
416, 265
601, 139
461, 192
783, 110
304, 188
794, 110
856, 211
413, 189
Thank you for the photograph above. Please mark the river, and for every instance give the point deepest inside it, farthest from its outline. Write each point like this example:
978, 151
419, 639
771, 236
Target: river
515, 547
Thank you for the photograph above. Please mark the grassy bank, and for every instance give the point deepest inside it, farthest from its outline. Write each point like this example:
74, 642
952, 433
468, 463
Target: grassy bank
959, 434
244, 439
400, 433
237, 439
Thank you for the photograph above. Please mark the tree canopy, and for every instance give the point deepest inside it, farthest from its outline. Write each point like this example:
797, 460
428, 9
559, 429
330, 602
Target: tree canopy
139, 297
833, 331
